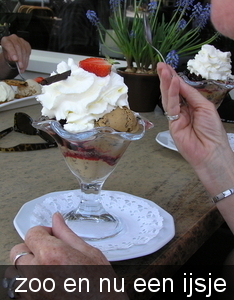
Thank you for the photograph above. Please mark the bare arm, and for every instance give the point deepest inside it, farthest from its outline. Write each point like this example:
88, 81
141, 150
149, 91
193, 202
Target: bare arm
200, 137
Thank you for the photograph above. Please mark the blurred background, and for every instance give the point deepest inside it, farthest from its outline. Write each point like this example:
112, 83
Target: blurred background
62, 26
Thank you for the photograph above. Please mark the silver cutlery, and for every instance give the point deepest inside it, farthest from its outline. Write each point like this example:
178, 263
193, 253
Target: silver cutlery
148, 35
20, 75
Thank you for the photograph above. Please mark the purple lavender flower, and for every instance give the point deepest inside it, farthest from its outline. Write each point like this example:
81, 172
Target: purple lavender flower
187, 4
92, 16
172, 59
182, 24
114, 4
201, 15
152, 6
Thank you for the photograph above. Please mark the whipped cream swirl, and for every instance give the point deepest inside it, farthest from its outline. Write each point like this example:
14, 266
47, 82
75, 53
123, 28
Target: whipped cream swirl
211, 63
83, 97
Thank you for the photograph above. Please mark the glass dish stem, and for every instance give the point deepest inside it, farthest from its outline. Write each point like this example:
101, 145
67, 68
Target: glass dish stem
92, 156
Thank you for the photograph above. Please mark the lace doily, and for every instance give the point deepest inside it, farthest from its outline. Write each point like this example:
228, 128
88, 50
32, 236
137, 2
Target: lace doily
141, 218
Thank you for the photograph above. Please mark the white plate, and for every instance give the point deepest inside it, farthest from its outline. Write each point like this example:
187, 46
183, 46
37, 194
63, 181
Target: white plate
23, 221
164, 139
17, 103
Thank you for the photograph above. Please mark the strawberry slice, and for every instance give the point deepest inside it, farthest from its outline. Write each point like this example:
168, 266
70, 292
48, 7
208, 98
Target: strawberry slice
98, 66
38, 79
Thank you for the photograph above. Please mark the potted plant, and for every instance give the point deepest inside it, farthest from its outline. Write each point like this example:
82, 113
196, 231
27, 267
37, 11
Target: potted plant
175, 32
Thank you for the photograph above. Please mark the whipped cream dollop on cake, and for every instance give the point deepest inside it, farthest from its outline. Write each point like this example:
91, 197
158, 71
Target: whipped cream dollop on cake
211, 63
83, 97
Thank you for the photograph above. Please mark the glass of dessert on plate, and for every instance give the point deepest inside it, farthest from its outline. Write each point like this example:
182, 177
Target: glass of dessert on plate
88, 116
210, 73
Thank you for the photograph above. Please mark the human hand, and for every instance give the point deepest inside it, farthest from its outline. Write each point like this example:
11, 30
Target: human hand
198, 133
50, 247
63, 247
16, 49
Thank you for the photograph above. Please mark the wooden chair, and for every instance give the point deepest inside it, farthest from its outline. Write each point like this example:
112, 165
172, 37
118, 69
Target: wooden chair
37, 10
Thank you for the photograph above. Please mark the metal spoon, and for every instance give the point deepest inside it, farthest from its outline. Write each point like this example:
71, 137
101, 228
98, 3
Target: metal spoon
19, 71
148, 35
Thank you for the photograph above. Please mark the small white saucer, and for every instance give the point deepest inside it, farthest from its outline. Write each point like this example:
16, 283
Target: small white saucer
164, 139
148, 227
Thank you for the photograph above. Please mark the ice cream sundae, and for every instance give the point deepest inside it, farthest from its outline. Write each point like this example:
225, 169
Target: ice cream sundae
210, 72
83, 101
211, 63
89, 117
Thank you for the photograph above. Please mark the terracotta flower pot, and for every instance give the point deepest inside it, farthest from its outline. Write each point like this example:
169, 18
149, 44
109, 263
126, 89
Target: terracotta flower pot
143, 90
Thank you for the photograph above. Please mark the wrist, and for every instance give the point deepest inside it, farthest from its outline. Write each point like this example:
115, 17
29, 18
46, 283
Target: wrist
217, 175
223, 195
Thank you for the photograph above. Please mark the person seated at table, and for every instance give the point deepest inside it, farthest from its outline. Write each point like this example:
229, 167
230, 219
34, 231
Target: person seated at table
200, 138
197, 129
14, 49
74, 33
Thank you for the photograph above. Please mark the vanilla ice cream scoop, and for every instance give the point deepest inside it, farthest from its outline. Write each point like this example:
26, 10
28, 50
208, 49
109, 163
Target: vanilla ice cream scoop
6, 92
211, 63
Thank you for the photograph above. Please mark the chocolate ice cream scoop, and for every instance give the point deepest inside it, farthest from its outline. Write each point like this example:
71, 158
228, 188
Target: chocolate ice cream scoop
120, 119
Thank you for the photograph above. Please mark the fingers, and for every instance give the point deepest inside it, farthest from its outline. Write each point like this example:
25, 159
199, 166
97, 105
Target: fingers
11, 272
24, 259
59, 245
56, 246
10, 282
170, 89
173, 87
173, 103
165, 80
193, 97
37, 238
63, 232
9, 51
16, 49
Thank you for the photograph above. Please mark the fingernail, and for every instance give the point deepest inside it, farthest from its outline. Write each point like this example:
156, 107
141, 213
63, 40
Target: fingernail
59, 216
14, 58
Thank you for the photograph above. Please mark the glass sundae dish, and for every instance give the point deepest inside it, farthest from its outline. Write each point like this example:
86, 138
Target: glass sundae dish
213, 90
89, 118
92, 156
210, 73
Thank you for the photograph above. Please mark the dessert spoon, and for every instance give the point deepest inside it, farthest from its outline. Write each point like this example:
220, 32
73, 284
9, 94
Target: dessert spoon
148, 35
20, 75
